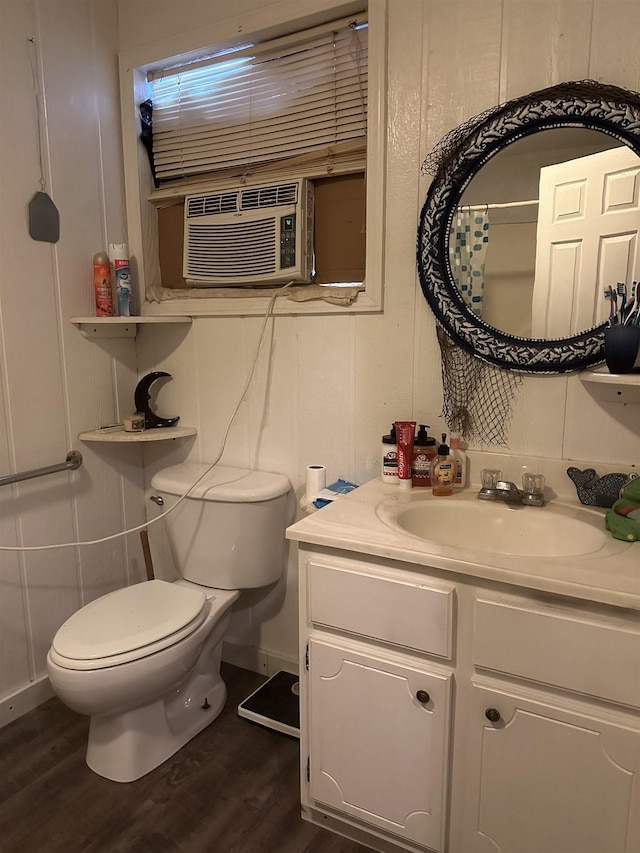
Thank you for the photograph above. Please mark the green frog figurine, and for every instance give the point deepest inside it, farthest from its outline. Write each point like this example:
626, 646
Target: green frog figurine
623, 519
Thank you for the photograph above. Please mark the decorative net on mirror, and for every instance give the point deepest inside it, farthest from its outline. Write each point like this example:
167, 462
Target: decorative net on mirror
477, 397
444, 154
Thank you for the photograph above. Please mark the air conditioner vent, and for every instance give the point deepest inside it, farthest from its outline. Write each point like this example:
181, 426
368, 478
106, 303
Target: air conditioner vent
238, 250
207, 205
275, 196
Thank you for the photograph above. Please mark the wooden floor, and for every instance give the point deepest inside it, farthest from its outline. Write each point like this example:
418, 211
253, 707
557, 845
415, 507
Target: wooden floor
232, 789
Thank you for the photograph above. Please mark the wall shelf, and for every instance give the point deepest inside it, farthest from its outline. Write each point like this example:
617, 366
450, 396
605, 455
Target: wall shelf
613, 387
119, 435
120, 327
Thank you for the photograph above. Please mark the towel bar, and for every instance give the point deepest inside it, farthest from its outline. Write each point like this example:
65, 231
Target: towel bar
73, 461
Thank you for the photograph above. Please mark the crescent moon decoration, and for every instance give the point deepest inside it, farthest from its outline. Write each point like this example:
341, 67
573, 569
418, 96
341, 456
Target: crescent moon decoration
141, 399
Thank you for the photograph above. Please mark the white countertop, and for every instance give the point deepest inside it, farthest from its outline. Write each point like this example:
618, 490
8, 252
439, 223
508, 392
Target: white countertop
363, 522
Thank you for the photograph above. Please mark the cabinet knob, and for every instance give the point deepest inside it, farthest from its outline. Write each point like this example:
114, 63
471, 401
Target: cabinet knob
492, 714
422, 696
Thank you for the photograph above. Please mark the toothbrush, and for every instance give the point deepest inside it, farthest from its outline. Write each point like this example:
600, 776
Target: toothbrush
633, 310
614, 306
609, 294
633, 307
622, 293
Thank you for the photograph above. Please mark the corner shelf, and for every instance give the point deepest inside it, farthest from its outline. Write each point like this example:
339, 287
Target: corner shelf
614, 387
120, 327
162, 434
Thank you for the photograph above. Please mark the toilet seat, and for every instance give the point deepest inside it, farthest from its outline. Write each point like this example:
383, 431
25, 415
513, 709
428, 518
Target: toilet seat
132, 623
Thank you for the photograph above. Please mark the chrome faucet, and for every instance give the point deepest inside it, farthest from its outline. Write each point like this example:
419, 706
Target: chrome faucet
508, 492
494, 488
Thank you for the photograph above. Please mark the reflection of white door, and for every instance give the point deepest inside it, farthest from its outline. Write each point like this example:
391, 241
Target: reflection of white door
588, 236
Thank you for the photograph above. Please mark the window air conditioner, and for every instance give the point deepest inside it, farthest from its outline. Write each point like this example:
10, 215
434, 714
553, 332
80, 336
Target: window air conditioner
249, 235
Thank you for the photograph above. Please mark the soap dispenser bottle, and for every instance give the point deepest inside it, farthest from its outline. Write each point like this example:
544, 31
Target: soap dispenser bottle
460, 458
389, 472
443, 470
424, 450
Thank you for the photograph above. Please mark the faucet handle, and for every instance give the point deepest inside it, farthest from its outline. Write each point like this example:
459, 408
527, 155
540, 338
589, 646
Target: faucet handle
533, 484
533, 488
489, 477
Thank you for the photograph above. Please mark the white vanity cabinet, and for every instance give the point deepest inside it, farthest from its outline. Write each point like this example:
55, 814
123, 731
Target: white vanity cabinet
545, 777
378, 738
552, 751
441, 712
376, 700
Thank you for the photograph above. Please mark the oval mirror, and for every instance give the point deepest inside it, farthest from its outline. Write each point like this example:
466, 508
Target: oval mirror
533, 211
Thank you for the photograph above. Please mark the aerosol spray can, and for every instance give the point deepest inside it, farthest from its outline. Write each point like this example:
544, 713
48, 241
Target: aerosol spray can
102, 285
119, 257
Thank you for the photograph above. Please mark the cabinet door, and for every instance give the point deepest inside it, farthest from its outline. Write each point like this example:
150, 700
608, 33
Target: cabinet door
548, 780
379, 734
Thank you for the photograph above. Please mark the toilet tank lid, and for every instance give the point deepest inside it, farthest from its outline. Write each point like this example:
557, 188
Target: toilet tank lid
222, 483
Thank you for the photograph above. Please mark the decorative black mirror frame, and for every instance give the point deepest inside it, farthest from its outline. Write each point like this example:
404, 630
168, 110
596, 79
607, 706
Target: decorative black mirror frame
456, 160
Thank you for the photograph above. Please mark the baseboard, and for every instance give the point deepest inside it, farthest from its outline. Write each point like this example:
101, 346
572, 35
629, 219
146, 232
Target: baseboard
257, 660
248, 657
24, 700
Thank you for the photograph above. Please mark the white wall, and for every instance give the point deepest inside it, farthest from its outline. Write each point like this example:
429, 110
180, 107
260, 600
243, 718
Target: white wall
329, 386
326, 388
54, 383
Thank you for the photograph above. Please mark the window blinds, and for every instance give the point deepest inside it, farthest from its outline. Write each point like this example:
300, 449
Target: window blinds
289, 98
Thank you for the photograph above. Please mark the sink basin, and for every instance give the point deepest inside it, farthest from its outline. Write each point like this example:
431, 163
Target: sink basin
494, 527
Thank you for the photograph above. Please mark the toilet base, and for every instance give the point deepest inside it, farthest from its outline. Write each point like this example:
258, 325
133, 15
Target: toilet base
124, 747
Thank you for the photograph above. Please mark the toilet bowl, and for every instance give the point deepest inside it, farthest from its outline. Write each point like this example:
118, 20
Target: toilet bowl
144, 661
147, 691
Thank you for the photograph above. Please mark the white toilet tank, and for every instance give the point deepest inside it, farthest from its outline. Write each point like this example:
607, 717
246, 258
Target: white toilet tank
229, 532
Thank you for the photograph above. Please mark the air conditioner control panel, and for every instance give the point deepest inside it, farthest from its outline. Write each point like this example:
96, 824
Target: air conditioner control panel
287, 241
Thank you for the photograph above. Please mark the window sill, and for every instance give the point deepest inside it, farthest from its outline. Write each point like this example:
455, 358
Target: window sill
256, 305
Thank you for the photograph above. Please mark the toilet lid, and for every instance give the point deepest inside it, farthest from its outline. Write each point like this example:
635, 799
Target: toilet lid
128, 619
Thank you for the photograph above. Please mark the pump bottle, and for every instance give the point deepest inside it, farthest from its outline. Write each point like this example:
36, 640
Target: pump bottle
460, 459
424, 450
443, 470
389, 473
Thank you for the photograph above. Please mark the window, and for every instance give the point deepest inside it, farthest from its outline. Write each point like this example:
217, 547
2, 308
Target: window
251, 108
289, 107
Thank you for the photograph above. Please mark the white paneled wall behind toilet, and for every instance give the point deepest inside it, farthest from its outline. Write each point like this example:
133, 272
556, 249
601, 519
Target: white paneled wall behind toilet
327, 386
54, 383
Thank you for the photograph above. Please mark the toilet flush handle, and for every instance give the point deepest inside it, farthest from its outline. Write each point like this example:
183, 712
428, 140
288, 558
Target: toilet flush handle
157, 499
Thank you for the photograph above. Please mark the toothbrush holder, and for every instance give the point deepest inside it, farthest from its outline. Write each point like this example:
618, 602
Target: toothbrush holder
622, 348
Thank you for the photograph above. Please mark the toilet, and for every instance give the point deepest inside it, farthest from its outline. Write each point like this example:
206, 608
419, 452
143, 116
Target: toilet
144, 661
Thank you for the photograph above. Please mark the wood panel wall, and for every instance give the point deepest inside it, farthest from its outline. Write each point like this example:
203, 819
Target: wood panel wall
54, 383
326, 387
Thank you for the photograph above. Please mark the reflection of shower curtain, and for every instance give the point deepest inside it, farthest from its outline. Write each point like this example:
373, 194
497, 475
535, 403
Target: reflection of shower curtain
467, 252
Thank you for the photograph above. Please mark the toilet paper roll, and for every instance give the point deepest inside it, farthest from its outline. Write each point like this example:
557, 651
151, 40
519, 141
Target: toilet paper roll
316, 481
